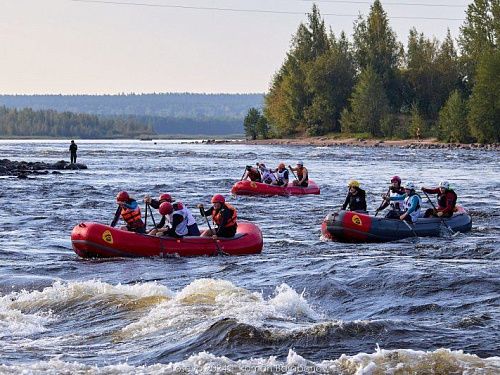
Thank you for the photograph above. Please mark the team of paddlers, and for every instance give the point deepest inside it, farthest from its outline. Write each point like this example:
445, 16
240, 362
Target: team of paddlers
177, 220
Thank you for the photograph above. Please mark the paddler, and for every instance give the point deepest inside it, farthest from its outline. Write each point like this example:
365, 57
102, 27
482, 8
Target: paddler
446, 200
130, 212
282, 175
268, 176
395, 189
356, 197
252, 174
412, 203
177, 206
224, 216
302, 175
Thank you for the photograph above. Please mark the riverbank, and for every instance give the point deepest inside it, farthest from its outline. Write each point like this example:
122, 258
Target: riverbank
430, 143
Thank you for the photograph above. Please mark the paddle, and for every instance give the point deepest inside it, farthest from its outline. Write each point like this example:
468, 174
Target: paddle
117, 213
243, 175
409, 227
291, 170
383, 201
146, 218
435, 209
219, 250
152, 216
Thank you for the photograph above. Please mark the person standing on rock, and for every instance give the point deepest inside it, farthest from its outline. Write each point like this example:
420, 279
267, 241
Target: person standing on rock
72, 149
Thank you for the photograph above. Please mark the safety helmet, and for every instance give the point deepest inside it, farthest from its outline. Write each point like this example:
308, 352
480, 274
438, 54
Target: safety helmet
122, 196
409, 185
218, 198
165, 198
353, 183
300, 163
281, 166
396, 179
166, 208
444, 185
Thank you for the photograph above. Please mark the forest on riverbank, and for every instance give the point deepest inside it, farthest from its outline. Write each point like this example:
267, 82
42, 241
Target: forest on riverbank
373, 86
49, 123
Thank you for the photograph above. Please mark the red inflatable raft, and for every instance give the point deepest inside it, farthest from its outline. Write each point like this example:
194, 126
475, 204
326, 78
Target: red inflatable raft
91, 240
247, 187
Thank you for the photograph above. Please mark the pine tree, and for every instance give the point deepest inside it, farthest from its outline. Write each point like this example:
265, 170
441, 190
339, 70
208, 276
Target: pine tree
453, 120
484, 103
250, 122
375, 45
369, 105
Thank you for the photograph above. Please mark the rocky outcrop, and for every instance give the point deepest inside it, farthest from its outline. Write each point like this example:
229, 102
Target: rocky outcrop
22, 169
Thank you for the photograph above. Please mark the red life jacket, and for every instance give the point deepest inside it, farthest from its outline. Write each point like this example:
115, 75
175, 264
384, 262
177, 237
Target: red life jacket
132, 217
300, 174
217, 216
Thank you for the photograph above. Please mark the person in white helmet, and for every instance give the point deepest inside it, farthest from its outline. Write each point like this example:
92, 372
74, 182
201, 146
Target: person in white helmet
302, 175
412, 203
446, 199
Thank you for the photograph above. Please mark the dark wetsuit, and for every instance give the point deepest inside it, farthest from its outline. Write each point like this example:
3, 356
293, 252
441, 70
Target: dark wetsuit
355, 202
72, 149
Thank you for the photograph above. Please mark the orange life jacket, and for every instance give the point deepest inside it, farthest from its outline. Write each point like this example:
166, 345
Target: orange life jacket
217, 216
132, 217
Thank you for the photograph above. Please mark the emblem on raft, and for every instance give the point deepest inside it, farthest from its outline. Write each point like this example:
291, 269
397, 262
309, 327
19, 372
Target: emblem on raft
107, 237
253, 184
357, 220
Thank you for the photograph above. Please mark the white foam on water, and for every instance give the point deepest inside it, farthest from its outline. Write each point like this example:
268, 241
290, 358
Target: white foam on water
205, 301
25, 312
14, 322
67, 293
400, 361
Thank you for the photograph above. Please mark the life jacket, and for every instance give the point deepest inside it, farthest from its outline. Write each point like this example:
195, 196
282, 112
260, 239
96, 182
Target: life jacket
282, 175
268, 177
396, 205
186, 212
182, 228
443, 199
300, 174
217, 216
407, 204
132, 217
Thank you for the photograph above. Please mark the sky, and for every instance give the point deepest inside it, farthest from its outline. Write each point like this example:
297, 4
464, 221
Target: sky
202, 46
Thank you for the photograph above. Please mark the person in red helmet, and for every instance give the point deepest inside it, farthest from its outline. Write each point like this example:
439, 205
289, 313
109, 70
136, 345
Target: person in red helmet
176, 219
224, 216
130, 212
395, 189
177, 206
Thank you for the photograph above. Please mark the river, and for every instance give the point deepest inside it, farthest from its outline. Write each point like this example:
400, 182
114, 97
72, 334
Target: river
302, 306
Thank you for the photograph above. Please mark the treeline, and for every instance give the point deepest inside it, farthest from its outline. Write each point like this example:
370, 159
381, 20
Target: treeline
189, 126
49, 123
375, 86
172, 105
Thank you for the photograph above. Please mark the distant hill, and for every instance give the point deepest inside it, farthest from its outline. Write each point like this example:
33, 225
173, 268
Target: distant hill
171, 105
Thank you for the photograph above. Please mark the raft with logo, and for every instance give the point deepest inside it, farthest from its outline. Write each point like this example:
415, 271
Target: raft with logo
94, 240
247, 187
350, 226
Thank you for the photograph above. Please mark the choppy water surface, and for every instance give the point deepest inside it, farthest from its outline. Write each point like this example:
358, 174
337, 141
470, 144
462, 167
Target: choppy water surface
303, 305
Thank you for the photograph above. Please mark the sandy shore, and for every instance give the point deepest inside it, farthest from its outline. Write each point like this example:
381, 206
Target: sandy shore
429, 143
